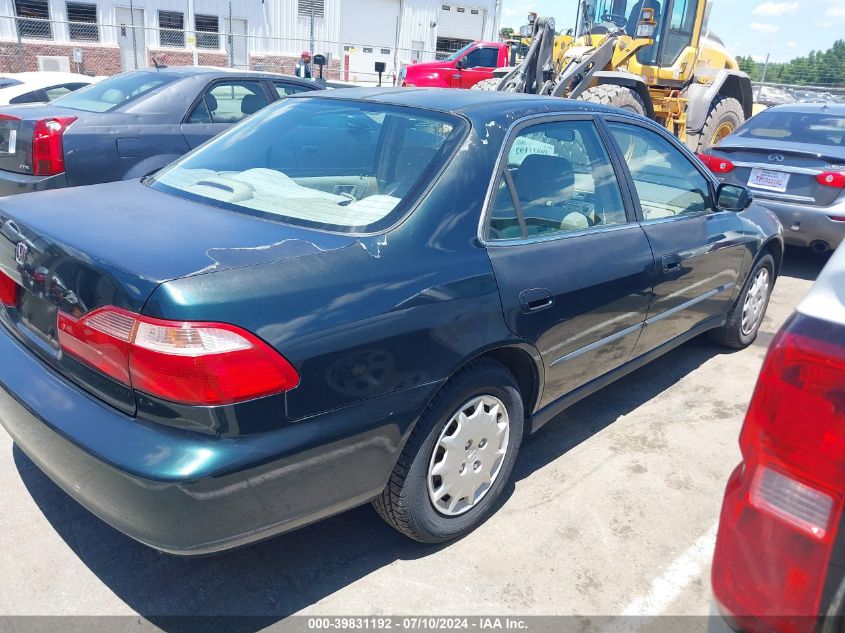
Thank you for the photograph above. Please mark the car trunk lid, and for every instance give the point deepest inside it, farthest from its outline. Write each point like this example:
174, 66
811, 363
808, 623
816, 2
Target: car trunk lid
793, 168
79, 249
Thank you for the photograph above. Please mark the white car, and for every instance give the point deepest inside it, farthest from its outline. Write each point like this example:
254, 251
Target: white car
39, 87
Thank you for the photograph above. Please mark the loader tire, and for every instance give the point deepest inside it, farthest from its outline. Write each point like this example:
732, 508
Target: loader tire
615, 96
725, 116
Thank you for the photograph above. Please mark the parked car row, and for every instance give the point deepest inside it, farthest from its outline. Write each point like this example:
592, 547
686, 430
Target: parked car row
774, 96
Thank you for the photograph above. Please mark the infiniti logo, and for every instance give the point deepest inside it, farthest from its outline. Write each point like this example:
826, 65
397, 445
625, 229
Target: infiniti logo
20, 253
776, 157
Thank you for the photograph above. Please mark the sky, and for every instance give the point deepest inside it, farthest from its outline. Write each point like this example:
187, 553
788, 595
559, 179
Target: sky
783, 28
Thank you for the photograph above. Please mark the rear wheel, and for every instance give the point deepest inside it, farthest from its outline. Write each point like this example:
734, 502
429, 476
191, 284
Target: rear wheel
459, 456
747, 313
616, 97
724, 119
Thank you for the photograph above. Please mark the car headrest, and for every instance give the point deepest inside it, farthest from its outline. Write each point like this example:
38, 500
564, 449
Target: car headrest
113, 95
543, 179
252, 104
211, 102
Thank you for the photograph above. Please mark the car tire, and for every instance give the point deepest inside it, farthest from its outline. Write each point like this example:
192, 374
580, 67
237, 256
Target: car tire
412, 502
724, 119
739, 333
616, 97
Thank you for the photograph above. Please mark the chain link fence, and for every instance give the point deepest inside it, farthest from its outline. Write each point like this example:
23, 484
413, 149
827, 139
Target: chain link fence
98, 49
771, 94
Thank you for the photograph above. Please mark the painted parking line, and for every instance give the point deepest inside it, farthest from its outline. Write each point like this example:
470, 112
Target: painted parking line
667, 587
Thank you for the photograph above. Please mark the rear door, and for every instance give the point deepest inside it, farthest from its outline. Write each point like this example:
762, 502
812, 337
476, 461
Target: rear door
222, 104
572, 264
698, 250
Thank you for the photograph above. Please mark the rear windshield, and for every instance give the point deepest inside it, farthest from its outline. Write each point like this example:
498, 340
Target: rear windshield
110, 94
332, 164
5, 82
817, 128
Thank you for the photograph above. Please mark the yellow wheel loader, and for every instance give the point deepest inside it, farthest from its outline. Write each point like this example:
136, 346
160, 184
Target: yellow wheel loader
653, 57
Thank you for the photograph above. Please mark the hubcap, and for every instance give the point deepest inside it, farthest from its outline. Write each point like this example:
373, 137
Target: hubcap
755, 301
468, 455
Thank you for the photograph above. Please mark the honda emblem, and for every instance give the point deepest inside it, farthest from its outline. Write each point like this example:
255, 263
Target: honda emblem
20, 253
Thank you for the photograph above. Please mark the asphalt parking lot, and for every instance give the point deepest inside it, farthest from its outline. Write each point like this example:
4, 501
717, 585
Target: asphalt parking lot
612, 511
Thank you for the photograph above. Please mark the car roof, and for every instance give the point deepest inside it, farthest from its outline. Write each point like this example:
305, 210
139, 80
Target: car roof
474, 104
826, 300
214, 70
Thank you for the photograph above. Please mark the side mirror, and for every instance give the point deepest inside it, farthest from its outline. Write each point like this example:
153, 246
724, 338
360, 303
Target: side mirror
460, 64
733, 197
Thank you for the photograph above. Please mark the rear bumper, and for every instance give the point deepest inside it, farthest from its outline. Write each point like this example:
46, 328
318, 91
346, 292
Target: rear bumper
186, 493
803, 224
12, 184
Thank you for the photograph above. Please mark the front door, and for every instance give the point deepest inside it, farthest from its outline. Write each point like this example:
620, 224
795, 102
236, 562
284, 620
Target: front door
130, 38
477, 64
698, 250
572, 265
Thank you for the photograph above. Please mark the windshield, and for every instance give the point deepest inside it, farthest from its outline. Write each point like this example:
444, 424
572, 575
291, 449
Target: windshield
110, 94
459, 52
797, 127
600, 16
337, 165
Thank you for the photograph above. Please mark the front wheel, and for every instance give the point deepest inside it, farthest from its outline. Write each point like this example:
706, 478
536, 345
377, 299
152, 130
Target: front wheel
615, 96
459, 457
748, 311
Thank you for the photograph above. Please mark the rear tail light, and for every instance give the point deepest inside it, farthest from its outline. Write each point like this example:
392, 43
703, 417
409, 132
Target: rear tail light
181, 361
835, 179
716, 165
8, 290
783, 505
48, 156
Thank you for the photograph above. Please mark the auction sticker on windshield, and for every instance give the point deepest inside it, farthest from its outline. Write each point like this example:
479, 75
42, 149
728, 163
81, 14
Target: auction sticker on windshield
768, 179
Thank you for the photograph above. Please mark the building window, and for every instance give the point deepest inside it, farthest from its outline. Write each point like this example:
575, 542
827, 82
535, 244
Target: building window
208, 31
474, 11
37, 25
171, 26
461, 10
446, 7
305, 7
82, 21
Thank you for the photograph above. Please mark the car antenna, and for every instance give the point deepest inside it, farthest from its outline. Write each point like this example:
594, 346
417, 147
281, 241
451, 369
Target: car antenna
158, 64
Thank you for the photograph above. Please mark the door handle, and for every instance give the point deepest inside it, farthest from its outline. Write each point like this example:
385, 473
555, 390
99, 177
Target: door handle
671, 262
536, 299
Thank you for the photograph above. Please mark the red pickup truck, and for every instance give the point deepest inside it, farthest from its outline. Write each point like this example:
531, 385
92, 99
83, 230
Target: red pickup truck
462, 69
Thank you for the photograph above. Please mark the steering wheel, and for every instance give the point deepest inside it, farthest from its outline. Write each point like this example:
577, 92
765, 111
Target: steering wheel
617, 20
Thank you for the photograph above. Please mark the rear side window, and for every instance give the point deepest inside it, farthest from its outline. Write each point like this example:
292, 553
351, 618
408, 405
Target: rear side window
667, 183
815, 128
110, 94
229, 102
338, 165
284, 89
558, 180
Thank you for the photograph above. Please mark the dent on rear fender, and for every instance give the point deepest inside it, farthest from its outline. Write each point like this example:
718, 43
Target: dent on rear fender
228, 258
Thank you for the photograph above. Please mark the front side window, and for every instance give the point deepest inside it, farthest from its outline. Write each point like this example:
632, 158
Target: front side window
284, 89
338, 165
34, 19
482, 58
171, 26
559, 179
667, 183
679, 34
112, 93
229, 102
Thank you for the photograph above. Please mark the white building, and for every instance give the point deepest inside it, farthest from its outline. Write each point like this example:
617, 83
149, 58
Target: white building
106, 36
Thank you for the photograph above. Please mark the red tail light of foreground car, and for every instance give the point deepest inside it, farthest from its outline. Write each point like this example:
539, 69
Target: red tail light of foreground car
186, 362
783, 504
